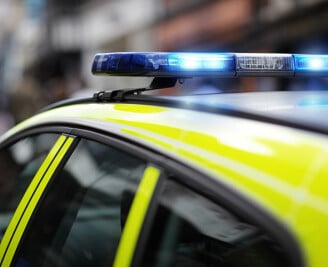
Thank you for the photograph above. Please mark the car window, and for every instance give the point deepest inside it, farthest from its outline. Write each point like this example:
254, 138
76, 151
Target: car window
19, 163
81, 218
191, 230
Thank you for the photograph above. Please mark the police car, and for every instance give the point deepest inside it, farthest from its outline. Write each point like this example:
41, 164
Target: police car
128, 179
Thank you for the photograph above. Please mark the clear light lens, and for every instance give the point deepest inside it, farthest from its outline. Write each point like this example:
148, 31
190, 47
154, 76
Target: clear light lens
264, 62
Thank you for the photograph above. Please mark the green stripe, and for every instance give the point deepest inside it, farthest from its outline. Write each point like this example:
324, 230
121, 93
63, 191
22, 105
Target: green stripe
136, 217
36, 194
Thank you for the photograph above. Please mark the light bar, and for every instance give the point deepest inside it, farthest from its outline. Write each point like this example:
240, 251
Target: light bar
209, 64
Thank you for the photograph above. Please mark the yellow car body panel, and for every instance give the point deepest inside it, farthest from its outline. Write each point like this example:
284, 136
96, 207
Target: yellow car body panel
281, 168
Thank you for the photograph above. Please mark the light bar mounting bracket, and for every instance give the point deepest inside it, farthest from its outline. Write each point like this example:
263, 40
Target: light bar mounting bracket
118, 95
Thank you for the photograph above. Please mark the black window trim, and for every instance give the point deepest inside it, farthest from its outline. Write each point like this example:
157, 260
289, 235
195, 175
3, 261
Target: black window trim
187, 175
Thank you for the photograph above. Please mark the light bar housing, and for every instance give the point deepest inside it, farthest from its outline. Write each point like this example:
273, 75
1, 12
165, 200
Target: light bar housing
209, 64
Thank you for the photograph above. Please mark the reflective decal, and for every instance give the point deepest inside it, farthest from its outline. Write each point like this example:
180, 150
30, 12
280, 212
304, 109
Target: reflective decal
136, 217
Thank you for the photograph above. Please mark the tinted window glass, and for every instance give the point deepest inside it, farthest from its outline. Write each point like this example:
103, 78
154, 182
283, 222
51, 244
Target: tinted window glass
18, 164
191, 230
81, 218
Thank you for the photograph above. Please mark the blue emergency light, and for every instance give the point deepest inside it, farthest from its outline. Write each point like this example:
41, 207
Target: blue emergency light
209, 64
311, 63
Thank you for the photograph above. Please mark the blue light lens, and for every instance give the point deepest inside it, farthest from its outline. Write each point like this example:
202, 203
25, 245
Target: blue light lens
311, 64
201, 62
164, 64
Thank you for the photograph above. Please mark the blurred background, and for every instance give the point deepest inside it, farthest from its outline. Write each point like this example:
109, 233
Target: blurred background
47, 46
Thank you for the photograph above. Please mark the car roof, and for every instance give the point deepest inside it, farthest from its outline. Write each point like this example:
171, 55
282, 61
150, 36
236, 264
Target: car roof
303, 108
306, 110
